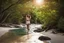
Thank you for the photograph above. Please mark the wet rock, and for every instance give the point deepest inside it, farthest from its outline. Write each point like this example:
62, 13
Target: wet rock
44, 38
38, 30
17, 26
4, 25
54, 32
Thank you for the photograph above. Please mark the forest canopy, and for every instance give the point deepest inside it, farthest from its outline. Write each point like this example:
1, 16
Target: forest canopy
50, 14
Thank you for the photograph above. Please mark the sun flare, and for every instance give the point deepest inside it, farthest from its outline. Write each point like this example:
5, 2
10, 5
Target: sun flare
38, 2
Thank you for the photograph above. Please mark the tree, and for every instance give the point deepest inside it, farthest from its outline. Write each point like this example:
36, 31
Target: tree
6, 5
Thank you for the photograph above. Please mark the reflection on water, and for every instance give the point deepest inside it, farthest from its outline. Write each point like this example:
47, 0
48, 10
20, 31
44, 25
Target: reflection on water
13, 36
20, 36
10, 37
35, 38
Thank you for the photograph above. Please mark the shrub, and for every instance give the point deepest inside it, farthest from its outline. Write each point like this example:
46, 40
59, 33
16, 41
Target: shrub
60, 24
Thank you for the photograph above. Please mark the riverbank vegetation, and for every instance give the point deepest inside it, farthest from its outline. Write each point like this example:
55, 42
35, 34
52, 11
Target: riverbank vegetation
50, 14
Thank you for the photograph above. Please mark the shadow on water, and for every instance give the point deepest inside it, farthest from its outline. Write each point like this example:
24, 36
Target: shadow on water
13, 36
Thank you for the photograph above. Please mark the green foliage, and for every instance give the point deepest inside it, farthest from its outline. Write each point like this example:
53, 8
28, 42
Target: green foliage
14, 15
45, 14
48, 14
60, 24
10, 12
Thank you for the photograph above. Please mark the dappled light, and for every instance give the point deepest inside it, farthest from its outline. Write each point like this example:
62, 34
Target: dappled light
29, 20
38, 2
